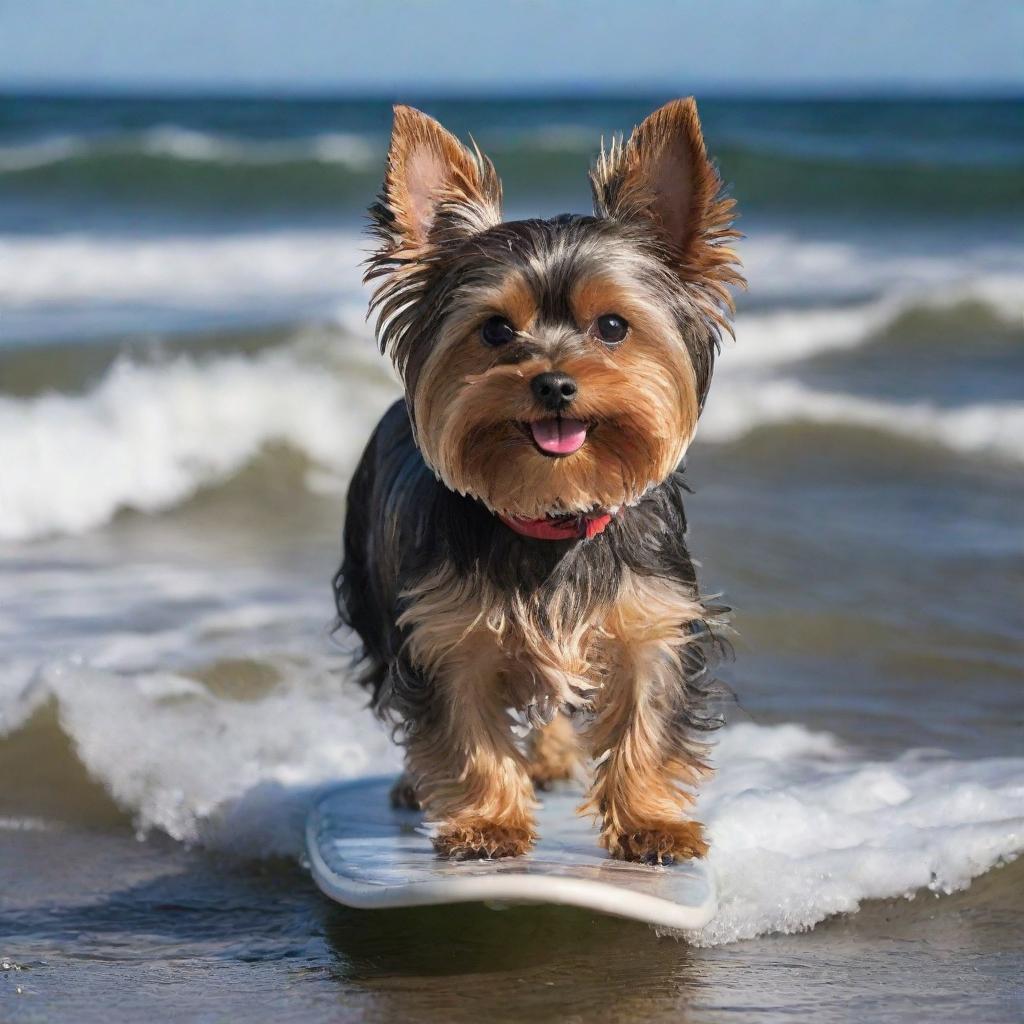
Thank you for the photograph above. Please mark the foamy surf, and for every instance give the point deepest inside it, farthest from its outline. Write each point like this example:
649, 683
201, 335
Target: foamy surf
807, 276
787, 335
149, 436
802, 828
991, 429
188, 145
220, 271
236, 776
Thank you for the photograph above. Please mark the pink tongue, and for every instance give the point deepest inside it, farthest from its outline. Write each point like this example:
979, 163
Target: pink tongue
560, 436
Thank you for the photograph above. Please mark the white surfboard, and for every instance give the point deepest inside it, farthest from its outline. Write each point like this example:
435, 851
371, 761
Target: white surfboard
364, 853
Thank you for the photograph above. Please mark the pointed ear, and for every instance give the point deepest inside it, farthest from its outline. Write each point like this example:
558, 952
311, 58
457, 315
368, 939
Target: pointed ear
434, 186
662, 177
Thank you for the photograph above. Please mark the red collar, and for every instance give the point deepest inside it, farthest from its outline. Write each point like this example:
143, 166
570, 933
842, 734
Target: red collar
562, 528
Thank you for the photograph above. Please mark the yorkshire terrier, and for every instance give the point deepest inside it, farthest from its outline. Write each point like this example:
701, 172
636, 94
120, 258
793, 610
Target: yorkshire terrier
514, 544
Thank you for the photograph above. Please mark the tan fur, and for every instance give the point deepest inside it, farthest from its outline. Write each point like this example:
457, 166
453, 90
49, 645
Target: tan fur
435, 191
554, 753
467, 839
645, 770
468, 771
489, 654
641, 399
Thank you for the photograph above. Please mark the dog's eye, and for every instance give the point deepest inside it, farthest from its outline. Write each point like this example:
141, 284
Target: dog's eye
497, 331
611, 328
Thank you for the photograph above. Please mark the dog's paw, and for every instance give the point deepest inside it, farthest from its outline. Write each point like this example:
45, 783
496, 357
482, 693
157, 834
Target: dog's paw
663, 843
481, 840
403, 795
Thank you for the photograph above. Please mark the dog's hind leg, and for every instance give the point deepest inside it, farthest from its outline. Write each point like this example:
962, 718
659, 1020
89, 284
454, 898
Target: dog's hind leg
553, 752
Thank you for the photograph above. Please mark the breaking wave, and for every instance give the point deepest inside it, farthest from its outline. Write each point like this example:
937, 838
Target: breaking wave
801, 827
149, 435
848, 287
984, 428
60, 271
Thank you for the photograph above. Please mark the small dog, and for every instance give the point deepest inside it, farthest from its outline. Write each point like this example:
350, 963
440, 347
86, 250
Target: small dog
514, 543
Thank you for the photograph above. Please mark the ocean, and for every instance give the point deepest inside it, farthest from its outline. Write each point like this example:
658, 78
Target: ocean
186, 380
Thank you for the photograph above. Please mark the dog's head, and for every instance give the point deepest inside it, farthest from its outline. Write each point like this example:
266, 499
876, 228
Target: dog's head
554, 366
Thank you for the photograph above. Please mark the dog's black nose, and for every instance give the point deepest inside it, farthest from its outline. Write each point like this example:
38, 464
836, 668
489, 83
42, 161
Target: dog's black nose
553, 390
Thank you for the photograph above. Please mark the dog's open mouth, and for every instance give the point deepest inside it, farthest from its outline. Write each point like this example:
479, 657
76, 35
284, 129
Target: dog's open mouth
558, 435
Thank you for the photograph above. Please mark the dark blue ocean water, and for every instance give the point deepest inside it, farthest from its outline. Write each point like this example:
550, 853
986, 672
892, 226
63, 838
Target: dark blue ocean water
159, 160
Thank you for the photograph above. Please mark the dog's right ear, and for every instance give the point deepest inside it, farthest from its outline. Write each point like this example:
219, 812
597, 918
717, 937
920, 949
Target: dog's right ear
436, 192
435, 189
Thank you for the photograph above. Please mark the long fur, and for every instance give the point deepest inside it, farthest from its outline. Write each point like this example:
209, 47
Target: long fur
465, 622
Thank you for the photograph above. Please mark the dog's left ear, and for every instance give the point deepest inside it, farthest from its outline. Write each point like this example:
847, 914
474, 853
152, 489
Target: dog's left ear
662, 177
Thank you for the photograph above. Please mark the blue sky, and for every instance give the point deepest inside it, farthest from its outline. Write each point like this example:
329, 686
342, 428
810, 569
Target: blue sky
384, 46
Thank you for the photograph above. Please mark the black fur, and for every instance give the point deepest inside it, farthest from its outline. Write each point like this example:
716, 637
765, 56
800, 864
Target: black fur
402, 524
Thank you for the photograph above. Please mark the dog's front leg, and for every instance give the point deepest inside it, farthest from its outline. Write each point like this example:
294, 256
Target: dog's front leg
470, 776
641, 783
647, 762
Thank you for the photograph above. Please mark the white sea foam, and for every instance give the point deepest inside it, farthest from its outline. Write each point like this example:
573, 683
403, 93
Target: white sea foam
345, 148
356, 151
67, 269
224, 271
790, 268
148, 437
236, 775
824, 296
744, 405
788, 335
25, 825
38, 153
348, 149
801, 828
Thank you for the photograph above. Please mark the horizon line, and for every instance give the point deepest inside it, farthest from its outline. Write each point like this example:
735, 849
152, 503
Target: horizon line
837, 91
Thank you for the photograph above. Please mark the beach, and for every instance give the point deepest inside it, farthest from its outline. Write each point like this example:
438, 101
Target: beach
187, 379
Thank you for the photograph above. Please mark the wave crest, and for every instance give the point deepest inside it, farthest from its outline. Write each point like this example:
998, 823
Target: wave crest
148, 437
175, 143
801, 828
985, 428
323, 165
